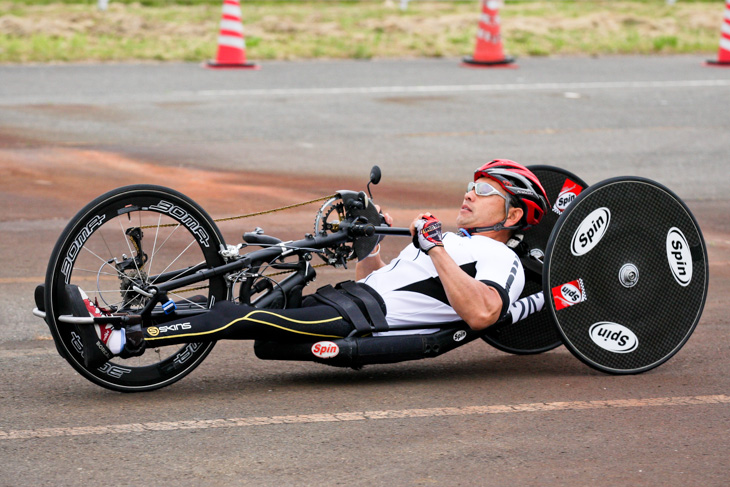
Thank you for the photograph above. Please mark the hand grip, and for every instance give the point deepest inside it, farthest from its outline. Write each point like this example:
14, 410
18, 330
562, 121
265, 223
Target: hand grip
383, 230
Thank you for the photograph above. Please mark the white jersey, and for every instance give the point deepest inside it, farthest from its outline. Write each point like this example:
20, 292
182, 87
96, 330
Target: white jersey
412, 290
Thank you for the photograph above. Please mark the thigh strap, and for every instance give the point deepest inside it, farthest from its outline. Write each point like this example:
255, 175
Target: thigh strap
371, 301
345, 306
361, 306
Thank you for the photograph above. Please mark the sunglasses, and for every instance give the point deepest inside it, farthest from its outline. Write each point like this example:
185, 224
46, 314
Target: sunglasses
484, 189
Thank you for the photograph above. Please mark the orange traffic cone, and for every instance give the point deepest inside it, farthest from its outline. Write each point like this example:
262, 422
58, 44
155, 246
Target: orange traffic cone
723, 57
488, 51
231, 44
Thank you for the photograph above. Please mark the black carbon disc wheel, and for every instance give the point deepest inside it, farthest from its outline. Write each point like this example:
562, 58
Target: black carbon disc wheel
537, 333
626, 275
131, 235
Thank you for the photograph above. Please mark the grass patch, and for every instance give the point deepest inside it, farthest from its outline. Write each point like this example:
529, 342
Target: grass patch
187, 30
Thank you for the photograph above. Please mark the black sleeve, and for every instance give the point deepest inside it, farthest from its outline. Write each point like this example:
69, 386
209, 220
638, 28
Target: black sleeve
502, 294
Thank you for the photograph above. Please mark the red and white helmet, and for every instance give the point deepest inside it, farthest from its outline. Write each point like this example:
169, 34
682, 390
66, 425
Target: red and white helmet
522, 184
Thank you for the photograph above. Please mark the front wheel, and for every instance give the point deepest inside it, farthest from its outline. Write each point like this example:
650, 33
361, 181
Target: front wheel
131, 237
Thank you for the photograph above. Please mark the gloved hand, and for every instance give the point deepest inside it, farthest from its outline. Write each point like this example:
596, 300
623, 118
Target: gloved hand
427, 233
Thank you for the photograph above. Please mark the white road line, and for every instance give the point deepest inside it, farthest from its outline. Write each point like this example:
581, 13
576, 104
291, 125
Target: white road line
19, 280
34, 352
377, 90
361, 416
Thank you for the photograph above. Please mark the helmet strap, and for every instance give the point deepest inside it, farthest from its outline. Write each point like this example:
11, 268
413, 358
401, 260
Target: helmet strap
494, 228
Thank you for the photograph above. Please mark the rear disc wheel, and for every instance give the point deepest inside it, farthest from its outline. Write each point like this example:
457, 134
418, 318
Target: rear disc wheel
626, 275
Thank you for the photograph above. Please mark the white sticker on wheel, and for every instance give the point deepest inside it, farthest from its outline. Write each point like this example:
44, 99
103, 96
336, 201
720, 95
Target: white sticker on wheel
679, 256
590, 231
613, 337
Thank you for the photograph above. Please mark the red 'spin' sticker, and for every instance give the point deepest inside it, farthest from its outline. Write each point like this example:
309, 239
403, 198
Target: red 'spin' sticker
569, 294
568, 193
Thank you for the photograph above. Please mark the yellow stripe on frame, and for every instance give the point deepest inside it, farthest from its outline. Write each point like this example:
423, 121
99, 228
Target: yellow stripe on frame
248, 318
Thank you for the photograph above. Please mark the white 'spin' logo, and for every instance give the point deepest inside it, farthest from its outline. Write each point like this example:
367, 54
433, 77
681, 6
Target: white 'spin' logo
613, 337
590, 232
679, 256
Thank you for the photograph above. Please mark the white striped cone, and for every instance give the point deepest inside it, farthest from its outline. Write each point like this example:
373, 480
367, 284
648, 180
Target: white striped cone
488, 51
723, 56
231, 43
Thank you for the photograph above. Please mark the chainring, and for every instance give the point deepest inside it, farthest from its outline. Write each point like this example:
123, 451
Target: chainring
337, 255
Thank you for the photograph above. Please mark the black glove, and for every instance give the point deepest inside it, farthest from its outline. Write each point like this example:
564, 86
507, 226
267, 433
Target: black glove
428, 233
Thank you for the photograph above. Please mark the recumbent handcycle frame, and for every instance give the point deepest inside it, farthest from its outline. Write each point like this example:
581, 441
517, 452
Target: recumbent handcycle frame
595, 279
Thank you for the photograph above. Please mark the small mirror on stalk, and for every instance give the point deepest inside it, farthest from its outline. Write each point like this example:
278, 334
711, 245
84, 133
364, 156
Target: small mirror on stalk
374, 178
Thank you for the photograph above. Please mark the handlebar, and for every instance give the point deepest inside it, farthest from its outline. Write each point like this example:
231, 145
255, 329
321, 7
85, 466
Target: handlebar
383, 230
360, 230
367, 230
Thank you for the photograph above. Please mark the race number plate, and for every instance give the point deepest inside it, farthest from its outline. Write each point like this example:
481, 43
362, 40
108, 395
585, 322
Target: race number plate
626, 275
537, 333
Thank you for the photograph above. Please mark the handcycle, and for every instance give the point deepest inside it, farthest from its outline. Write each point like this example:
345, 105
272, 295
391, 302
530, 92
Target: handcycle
617, 272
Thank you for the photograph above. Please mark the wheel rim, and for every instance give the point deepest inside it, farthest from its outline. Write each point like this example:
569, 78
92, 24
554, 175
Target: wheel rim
134, 239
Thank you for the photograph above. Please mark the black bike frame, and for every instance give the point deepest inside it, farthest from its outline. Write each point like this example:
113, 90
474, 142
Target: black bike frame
347, 231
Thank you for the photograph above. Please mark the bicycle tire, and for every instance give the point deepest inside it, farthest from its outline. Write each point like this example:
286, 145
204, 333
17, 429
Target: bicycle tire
179, 219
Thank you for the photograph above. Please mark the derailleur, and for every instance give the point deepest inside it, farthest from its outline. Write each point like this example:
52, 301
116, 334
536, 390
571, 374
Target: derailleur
131, 270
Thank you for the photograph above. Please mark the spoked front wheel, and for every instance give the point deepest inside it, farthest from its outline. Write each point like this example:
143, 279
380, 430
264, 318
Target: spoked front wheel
119, 243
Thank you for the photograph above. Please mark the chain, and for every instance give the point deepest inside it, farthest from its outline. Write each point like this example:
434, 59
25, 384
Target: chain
266, 212
258, 213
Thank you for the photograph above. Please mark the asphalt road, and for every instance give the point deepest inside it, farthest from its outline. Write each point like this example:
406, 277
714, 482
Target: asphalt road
475, 416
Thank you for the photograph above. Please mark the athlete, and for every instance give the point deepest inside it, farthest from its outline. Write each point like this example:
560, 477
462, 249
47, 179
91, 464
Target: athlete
472, 276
